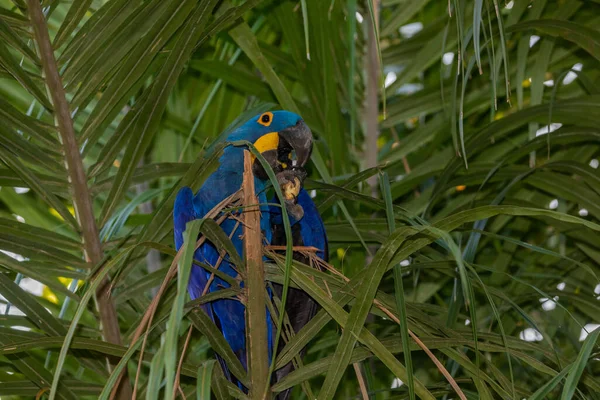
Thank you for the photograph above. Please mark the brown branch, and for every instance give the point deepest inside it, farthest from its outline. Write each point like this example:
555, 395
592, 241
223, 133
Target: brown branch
148, 317
177, 386
294, 248
394, 318
423, 347
256, 316
218, 264
398, 143
146, 322
404, 159
82, 201
361, 381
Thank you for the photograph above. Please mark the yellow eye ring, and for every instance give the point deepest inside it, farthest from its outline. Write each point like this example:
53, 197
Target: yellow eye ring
265, 119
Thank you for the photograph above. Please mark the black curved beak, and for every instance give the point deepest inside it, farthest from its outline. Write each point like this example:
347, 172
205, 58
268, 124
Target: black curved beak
297, 138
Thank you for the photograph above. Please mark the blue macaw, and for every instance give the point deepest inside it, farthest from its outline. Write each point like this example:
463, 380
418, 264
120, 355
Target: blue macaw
285, 141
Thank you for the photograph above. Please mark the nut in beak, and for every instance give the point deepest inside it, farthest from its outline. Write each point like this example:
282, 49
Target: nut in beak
291, 189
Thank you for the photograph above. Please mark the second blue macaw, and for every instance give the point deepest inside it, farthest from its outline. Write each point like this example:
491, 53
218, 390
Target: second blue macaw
282, 138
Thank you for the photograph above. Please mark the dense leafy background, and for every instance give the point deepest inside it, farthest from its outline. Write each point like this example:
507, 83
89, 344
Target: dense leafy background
487, 171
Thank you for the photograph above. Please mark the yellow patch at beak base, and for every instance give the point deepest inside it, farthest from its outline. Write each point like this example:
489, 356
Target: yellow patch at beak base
267, 142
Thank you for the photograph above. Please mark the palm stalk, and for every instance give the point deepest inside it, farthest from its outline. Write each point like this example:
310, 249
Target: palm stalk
82, 200
258, 362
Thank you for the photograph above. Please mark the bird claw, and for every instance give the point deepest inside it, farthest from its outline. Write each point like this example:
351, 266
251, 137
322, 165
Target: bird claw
294, 210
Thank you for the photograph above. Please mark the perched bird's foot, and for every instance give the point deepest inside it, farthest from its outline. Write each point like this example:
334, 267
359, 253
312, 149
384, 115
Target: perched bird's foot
294, 210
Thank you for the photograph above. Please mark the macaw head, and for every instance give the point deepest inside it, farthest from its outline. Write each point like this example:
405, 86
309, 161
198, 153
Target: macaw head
282, 138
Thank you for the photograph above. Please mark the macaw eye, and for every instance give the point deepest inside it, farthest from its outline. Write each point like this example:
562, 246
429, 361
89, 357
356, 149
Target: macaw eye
266, 119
